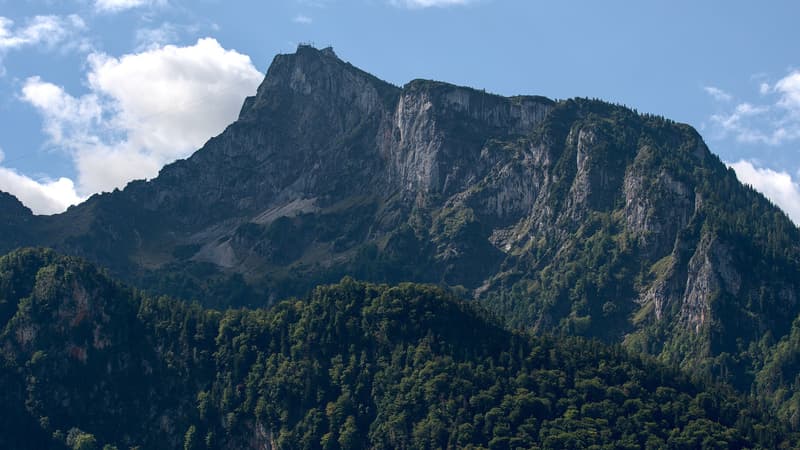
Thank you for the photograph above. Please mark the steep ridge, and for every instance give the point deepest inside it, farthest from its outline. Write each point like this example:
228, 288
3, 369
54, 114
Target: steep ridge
87, 362
573, 217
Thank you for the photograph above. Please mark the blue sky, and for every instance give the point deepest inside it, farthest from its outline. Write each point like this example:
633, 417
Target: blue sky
94, 93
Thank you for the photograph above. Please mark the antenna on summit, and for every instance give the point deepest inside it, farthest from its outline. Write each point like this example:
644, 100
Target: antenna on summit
328, 51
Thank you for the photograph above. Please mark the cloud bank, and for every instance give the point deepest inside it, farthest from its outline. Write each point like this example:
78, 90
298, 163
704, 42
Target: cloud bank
141, 111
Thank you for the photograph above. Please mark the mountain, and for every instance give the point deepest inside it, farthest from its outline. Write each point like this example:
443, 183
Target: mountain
572, 217
87, 362
328, 171
15, 223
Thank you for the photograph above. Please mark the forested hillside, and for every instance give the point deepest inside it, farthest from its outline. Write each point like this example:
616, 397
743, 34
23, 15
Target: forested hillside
88, 362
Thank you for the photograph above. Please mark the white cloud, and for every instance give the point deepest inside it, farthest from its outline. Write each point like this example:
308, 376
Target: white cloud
775, 122
789, 89
301, 19
779, 187
417, 4
172, 99
143, 110
42, 197
66, 117
718, 94
113, 6
40, 30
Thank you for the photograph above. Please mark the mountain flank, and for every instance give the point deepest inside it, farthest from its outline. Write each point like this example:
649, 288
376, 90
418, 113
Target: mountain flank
573, 218
89, 363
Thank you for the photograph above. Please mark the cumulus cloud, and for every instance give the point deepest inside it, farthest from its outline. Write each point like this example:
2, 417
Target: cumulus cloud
143, 110
172, 99
41, 196
112, 6
779, 187
66, 117
775, 122
301, 19
417, 4
48, 31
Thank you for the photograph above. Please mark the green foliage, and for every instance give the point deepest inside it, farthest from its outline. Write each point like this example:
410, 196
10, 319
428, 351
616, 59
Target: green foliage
354, 366
79, 440
191, 441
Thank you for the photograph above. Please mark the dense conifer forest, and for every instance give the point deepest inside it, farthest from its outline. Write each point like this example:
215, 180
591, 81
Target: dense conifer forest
89, 363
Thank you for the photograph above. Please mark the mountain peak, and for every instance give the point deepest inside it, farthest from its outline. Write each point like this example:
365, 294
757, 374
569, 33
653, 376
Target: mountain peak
318, 75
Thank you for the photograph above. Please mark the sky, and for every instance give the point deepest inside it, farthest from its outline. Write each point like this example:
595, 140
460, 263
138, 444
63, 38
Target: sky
96, 93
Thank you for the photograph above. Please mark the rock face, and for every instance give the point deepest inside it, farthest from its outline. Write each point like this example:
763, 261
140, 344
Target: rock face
575, 216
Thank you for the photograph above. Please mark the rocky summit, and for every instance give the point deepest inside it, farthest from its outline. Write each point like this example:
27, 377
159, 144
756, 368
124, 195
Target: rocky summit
570, 217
